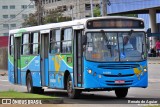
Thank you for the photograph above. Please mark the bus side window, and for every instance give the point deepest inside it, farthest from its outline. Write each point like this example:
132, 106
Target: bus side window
66, 40
25, 44
55, 42
11, 49
35, 43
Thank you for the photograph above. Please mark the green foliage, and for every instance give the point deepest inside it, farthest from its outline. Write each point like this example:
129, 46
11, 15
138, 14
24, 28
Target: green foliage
96, 12
53, 16
31, 20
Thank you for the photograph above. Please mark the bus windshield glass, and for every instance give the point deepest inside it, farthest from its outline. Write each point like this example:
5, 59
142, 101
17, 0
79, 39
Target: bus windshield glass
118, 46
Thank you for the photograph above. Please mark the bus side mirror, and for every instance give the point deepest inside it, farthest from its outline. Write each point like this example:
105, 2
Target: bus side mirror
147, 43
148, 30
84, 40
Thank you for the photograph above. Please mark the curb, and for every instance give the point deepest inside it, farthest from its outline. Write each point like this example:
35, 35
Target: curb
54, 101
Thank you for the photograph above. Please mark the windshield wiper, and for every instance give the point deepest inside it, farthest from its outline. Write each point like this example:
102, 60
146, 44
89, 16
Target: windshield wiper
105, 36
107, 41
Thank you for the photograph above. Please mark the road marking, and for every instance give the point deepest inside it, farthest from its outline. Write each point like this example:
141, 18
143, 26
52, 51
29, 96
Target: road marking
154, 80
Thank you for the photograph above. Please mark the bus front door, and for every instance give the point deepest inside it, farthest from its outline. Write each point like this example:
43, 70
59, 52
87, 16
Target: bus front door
44, 58
78, 63
17, 63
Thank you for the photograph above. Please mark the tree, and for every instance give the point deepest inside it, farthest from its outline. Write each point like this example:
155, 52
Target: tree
31, 20
53, 16
97, 12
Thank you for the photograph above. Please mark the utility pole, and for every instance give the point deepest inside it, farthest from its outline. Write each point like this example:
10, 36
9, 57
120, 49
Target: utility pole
91, 4
104, 7
39, 11
71, 9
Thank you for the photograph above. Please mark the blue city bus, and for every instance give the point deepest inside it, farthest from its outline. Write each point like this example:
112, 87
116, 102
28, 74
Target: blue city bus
92, 54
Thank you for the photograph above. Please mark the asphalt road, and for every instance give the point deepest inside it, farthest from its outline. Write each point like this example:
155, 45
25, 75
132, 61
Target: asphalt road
101, 97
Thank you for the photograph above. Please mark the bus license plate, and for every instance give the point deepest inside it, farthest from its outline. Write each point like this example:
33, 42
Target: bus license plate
119, 81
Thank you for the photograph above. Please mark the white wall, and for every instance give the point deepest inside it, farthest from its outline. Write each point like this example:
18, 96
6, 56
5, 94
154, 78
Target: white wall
78, 10
18, 20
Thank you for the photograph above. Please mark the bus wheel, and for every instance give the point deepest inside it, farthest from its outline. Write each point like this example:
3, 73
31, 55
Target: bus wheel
72, 93
29, 84
30, 88
121, 92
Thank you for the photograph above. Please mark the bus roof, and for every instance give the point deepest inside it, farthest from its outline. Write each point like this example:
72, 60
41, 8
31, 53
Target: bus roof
65, 24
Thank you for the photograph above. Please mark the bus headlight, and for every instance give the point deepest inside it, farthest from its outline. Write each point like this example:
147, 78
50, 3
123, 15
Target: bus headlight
89, 71
145, 70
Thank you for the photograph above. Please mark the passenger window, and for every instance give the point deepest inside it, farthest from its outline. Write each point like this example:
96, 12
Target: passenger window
55, 42
35, 40
25, 44
67, 40
11, 45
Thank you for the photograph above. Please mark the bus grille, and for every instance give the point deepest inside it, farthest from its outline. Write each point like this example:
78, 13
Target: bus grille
118, 66
122, 75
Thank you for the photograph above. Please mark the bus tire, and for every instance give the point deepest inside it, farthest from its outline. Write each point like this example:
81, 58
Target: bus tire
40, 90
29, 85
30, 88
72, 93
121, 92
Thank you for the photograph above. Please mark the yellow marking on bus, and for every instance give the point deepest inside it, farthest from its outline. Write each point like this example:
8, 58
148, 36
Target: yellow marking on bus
56, 63
57, 59
138, 72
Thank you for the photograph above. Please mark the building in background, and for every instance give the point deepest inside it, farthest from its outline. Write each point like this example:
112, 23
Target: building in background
76, 9
13, 13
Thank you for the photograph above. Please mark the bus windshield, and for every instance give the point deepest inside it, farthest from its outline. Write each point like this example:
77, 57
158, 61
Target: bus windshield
118, 46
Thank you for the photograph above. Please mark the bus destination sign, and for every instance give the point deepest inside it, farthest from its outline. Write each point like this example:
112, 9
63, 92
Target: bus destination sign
115, 23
